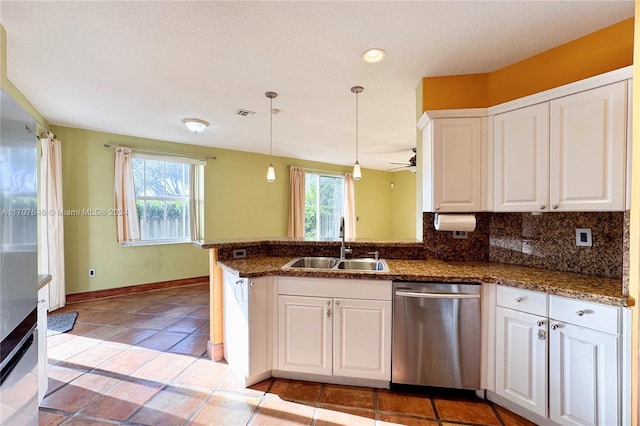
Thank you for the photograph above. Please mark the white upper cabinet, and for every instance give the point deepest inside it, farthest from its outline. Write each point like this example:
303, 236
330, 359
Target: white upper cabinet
588, 150
521, 159
568, 154
454, 163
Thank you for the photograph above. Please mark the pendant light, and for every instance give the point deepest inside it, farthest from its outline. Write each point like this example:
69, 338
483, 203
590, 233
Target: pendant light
271, 171
357, 174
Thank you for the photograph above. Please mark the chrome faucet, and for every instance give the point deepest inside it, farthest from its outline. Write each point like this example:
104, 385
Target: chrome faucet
343, 250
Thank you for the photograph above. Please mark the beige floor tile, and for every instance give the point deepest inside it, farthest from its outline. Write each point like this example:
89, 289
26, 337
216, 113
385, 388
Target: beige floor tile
203, 373
274, 411
328, 416
396, 419
170, 406
292, 390
164, 368
226, 408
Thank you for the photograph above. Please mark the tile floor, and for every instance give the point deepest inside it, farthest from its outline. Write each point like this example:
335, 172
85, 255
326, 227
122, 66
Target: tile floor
141, 360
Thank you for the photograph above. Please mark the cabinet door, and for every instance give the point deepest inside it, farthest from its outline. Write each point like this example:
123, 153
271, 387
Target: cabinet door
456, 165
362, 344
235, 298
521, 359
583, 375
588, 149
305, 334
259, 334
521, 159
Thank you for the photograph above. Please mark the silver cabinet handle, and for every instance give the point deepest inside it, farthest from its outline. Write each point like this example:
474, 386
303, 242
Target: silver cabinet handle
337, 303
542, 207
555, 326
437, 208
541, 335
328, 312
554, 206
540, 323
519, 299
437, 295
251, 283
580, 313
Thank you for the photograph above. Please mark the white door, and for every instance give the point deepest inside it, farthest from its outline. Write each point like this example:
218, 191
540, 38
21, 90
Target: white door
588, 149
583, 376
521, 159
362, 345
521, 359
305, 334
457, 164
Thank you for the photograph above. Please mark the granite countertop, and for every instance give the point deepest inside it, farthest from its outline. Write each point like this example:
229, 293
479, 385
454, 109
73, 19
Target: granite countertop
584, 287
43, 280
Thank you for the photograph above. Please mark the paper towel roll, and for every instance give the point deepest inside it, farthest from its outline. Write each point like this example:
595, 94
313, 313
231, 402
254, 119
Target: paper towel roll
455, 222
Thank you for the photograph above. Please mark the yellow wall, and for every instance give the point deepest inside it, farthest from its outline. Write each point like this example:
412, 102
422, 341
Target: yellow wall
403, 205
604, 50
239, 202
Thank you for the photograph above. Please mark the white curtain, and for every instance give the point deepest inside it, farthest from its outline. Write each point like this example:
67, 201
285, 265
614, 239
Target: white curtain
196, 201
51, 236
296, 203
127, 224
349, 207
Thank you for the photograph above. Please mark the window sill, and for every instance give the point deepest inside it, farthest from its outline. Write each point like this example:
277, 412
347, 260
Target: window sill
156, 243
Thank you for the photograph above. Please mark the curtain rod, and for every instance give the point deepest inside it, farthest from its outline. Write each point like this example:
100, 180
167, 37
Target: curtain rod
331, 172
174, 154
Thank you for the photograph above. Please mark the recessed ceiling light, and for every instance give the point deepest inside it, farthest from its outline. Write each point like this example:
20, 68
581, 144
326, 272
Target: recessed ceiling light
195, 124
373, 55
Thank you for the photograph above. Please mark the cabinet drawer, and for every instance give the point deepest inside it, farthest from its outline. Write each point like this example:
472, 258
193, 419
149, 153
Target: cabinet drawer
585, 314
522, 300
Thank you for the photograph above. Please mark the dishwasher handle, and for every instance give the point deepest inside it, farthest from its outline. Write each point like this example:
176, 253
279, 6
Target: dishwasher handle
438, 295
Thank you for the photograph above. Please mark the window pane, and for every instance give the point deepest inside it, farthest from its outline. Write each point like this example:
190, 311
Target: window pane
176, 221
153, 226
177, 179
138, 175
323, 206
155, 177
331, 188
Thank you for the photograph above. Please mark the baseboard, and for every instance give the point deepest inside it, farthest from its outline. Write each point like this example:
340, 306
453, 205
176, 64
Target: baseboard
215, 351
121, 291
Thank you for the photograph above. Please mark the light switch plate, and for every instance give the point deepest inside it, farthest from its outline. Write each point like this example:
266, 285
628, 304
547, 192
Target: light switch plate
583, 237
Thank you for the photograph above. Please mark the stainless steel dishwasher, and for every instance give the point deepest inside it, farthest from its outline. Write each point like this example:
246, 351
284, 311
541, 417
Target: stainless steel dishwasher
436, 334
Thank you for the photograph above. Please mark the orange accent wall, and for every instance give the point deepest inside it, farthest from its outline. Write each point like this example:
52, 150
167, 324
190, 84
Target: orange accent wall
605, 50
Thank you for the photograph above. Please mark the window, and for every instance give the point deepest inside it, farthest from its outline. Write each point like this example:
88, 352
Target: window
324, 195
162, 198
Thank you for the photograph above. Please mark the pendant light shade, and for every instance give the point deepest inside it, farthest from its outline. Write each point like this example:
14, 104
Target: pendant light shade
357, 174
271, 171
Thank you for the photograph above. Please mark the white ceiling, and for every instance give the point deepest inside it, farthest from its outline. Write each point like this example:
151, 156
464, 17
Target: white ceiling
139, 68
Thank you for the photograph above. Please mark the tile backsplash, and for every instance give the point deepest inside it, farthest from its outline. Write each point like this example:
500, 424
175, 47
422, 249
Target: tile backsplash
544, 241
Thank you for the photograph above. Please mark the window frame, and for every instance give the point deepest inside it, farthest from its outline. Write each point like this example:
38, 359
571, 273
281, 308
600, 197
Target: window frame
165, 199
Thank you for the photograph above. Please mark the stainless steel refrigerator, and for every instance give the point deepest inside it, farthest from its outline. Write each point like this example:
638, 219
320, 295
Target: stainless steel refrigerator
18, 266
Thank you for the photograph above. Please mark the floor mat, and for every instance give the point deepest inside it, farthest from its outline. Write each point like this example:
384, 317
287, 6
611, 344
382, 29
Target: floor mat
61, 323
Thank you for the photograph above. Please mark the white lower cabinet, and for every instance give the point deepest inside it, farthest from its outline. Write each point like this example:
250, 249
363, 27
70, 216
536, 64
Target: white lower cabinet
582, 382
247, 335
522, 356
305, 333
329, 331
584, 365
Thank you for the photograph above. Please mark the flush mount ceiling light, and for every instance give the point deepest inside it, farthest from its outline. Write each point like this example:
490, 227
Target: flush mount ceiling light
271, 171
357, 174
373, 55
195, 124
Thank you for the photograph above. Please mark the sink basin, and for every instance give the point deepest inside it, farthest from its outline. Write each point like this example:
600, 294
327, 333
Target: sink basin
313, 263
363, 264
331, 263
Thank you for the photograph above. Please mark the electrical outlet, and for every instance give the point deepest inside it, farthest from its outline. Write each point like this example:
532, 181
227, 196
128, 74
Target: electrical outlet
239, 253
460, 235
583, 237
92, 273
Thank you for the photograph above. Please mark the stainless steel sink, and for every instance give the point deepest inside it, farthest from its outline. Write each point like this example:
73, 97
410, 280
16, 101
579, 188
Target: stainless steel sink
313, 263
332, 263
365, 264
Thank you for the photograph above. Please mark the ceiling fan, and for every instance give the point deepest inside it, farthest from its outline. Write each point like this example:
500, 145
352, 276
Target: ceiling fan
411, 165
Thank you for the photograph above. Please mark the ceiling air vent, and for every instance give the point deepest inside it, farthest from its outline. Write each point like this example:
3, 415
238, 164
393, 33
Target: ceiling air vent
245, 112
